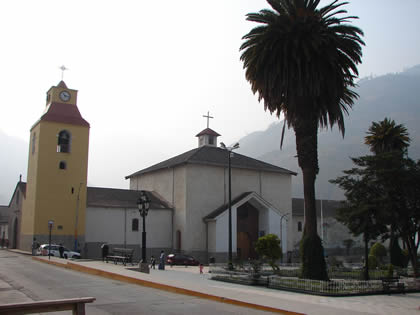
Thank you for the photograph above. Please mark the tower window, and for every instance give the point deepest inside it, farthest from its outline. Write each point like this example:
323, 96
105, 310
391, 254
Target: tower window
64, 140
135, 225
299, 226
211, 140
62, 165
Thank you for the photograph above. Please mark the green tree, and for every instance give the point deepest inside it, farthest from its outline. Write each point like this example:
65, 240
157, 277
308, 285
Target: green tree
384, 137
302, 61
387, 136
268, 247
386, 189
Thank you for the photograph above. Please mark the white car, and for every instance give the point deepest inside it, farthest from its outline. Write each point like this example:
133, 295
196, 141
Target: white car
55, 251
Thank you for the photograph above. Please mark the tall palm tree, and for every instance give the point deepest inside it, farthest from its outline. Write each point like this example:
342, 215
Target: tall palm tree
302, 61
384, 137
387, 136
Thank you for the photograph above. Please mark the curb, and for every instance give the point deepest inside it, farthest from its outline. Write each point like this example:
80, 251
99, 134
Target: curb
164, 287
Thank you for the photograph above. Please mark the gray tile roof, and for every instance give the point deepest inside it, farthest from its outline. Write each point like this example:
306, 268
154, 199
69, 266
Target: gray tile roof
122, 198
329, 207
210, 155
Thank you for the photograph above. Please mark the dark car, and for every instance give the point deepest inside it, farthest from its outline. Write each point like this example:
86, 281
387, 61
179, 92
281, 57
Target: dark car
180, 259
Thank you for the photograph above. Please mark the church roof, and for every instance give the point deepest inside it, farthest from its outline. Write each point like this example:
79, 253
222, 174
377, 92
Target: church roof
208, 131
329, 207
64, 113
122, 198
211, 155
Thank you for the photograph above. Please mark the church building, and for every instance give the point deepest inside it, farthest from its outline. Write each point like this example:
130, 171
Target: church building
189, 195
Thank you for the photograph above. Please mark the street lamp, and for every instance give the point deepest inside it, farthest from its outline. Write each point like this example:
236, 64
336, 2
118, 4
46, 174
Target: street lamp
143, 204
230, 154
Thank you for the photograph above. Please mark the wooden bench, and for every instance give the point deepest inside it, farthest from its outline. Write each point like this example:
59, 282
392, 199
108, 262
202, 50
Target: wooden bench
77, 305
123, 255
393, 285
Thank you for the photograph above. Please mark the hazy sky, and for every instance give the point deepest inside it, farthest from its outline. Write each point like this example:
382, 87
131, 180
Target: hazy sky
147, 71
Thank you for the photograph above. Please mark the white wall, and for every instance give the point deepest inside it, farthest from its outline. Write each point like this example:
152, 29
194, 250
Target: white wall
114, 225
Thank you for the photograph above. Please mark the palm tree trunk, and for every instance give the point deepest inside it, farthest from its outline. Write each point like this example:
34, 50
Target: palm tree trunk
307, 151
312, 252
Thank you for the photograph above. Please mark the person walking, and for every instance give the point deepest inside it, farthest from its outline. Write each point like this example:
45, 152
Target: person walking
162, 260
152, 262
201, 268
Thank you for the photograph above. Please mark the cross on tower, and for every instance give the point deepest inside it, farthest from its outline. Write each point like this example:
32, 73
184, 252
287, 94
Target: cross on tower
208, 118
63, 68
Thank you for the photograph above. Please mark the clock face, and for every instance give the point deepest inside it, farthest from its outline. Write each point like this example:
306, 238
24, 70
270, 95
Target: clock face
65, 96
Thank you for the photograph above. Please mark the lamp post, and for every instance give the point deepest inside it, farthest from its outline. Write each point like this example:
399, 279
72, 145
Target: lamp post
230, 149
143, 204
281, 233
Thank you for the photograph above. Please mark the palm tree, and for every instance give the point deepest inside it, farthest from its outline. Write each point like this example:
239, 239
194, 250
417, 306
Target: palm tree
387, 136
302, 62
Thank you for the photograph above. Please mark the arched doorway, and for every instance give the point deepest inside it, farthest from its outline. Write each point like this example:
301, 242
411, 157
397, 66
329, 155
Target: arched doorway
247, 231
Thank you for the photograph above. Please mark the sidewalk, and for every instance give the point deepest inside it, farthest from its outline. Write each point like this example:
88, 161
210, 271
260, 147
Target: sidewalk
189, 281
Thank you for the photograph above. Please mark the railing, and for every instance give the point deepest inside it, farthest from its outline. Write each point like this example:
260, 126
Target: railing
77, 305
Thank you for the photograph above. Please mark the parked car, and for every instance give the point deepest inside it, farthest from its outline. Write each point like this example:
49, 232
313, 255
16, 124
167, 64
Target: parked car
180, 259
55, 251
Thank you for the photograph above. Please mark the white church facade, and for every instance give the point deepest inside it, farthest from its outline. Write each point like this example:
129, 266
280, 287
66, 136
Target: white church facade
196, 184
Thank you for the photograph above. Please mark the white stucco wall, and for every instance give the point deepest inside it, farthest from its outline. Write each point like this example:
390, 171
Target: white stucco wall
222, 230
171, 185
114, 225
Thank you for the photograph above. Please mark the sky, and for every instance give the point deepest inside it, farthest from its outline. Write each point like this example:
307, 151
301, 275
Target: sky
147, 71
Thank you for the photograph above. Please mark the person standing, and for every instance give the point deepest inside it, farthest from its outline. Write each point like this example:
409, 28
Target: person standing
105, 250
162, 260
35, 246
61, 250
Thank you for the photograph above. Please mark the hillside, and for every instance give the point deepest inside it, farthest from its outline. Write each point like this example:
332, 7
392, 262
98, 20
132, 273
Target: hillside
396, 96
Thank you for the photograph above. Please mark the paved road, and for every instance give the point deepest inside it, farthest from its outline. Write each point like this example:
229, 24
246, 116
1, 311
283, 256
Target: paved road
24, 280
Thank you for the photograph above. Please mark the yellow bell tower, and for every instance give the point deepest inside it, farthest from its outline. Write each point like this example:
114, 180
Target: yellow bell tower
57, 173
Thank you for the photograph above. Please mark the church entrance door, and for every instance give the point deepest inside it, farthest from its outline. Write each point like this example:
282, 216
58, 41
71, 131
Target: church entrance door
247, 231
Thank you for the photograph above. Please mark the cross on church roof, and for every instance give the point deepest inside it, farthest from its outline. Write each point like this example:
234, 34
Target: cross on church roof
208, 118
63, 68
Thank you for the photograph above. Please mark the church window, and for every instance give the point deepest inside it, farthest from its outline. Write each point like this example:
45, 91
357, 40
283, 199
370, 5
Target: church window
33, 142
60, 227
63, 165
72, 190
211, 140
64, 140
135, 225
299, 226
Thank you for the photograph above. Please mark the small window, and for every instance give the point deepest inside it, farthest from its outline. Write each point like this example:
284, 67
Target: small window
299, 226
135, 225
62, 165
211, 140
64, 140
60, 227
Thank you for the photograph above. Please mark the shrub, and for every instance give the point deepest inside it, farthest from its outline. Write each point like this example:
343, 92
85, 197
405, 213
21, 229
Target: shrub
373, 262
268, 247
379, 251
390, 272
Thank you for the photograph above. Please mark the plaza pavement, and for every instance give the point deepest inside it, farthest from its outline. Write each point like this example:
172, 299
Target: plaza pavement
189, 281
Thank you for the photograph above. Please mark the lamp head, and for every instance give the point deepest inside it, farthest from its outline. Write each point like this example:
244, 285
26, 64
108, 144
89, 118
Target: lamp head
143, 203
222, 145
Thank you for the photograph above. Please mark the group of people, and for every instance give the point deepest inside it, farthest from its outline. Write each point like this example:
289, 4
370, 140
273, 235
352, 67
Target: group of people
161, 265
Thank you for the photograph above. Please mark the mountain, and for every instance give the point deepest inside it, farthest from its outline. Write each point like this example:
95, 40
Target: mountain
13, 161
396, 96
